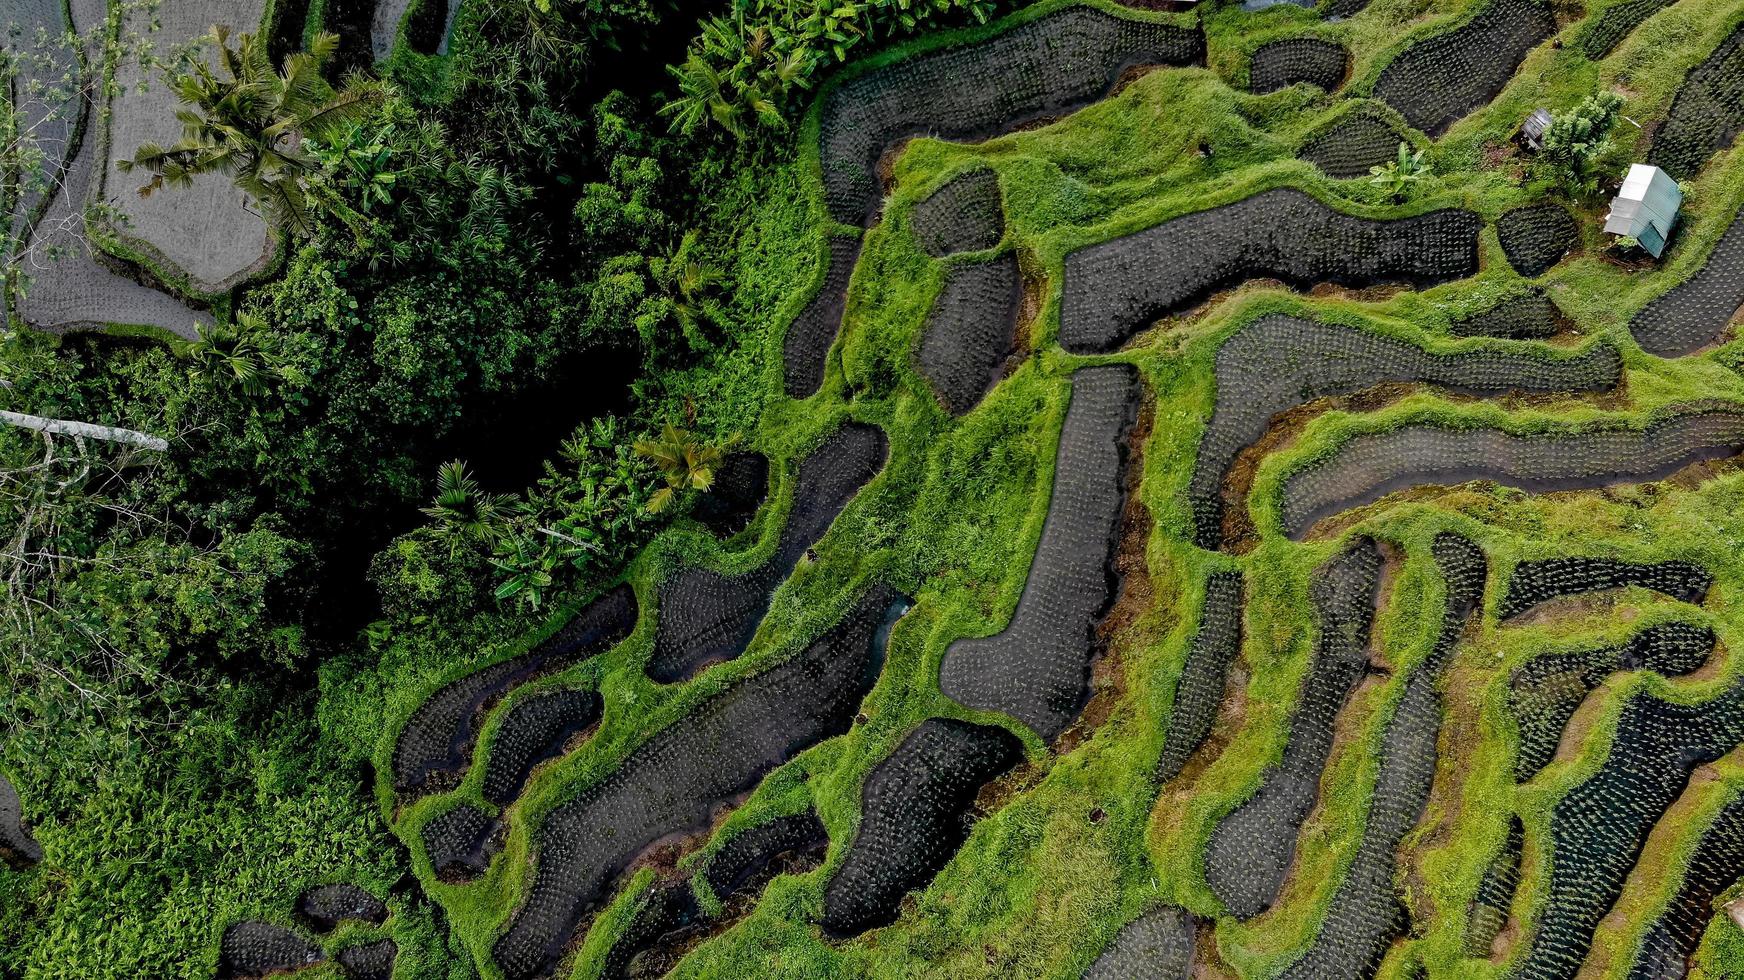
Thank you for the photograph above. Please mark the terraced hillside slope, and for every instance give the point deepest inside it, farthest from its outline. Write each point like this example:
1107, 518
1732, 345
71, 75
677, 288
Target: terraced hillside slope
1164, 551
90, 252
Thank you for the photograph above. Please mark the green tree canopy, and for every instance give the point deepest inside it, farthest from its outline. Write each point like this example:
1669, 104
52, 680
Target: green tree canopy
252, 123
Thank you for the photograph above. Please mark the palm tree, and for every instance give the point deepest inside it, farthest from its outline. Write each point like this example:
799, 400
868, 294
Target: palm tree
462, 509
230, 352
250, 125
685, 462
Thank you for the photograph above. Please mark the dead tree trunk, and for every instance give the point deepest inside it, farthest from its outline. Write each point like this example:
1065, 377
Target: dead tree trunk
86, 430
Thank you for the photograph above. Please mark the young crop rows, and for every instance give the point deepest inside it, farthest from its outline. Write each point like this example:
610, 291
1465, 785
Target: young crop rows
1348, 576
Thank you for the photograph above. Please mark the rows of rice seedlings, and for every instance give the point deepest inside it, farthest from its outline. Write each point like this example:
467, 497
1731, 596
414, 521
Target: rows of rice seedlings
1373, 465
809, 337
1115, 289
461, 842
1157, 944
1357, 141
1528, 315
1706, 115
435, 746
68, 288
1617, 22
1250, 851
1038, 669
1278, 362
1537, 581
706, 616
1597, 830
1697, 311
673, 782
912, 818
536, 729
1440, 80
914, 805
672, 910
1204, 682
1715, 866
255, 948
1045, 67
971, 331
1536, 237
966, 214
1292, 60
1545, 692
1367, 912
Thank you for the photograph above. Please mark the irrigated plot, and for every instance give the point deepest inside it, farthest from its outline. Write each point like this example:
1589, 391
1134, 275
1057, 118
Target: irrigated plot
1536, 237
534, 731
1038, 669
436, 745
1280, 64
17, 847
67, 287
1715, 866
706, 616
1115, 289
1545, 693
384, 26
1157, 945
1489, 907
1279, 362
1597, 830
1696, 312
1373, 465
1530, 315
461, 843
1538, 581
210, 232
1617, 22
1352, 145
1049, 66
369, 961
741, 483
46, 100
1368, 911
914, 814
257, 949
674, 782
971, 331
806, 347
1441, 79
967, 214
1251, 850
671, 911
1205, 676
326, 906
1707, 113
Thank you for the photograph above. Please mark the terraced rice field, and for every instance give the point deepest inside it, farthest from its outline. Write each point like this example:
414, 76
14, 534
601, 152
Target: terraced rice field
1184, 560
69, 283
206, 237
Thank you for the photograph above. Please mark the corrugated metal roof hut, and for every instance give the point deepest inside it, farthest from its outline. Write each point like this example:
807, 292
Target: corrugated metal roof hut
1646, 208
1532, 130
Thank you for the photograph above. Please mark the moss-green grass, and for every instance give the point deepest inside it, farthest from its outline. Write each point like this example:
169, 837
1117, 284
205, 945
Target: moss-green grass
1040, 888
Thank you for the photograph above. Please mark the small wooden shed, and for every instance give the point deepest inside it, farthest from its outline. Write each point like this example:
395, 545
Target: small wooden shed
1646, 208
1532, 130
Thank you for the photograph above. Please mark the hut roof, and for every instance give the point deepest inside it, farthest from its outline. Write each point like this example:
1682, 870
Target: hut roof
1646, 208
